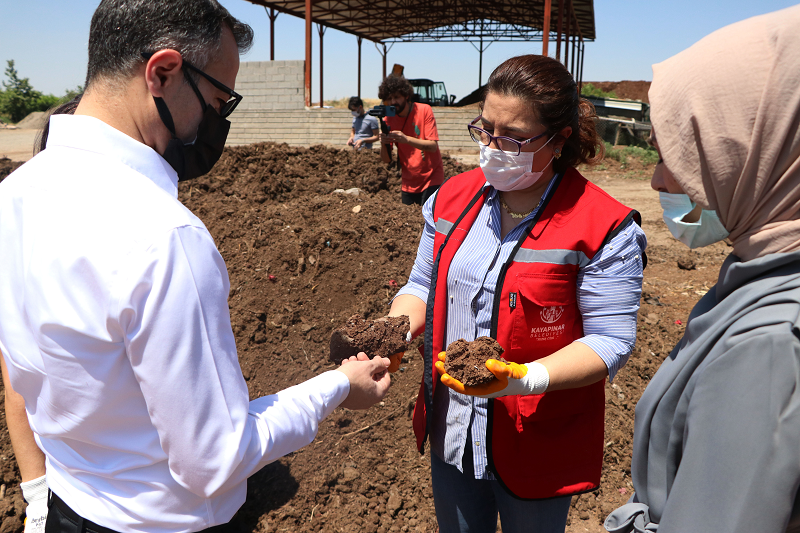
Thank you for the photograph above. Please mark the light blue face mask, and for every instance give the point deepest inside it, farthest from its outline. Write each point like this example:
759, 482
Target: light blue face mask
707, 230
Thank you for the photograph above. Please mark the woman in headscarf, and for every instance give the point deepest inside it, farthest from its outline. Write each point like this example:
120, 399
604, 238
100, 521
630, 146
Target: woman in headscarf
717, 434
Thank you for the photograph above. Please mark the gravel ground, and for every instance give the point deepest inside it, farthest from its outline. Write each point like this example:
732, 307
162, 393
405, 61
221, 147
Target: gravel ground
17, 145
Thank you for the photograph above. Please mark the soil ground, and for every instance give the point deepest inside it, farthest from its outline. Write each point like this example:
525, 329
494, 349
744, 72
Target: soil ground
303, 259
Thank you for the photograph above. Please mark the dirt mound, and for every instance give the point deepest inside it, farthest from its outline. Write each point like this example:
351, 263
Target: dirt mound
631, 90
302, 260
34, 121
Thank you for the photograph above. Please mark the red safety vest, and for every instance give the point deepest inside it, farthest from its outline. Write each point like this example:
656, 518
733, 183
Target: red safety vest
551, 444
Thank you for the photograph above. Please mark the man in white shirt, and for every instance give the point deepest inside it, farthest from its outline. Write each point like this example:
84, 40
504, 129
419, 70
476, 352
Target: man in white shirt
114, 319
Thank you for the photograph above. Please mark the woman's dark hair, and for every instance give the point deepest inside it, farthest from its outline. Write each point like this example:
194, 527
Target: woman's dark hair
67, 108
395, 84
549, 88
122, 30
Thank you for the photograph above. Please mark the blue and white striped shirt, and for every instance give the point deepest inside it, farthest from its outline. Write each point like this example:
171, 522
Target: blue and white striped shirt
609, 289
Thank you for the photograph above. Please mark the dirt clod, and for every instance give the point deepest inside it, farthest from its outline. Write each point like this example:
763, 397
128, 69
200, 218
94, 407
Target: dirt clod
466, 361
382, 337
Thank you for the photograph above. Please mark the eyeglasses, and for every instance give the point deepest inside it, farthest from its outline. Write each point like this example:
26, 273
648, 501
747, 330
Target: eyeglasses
506, 144
228, 107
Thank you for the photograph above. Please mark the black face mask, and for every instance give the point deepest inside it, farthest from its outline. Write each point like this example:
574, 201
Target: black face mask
196, 158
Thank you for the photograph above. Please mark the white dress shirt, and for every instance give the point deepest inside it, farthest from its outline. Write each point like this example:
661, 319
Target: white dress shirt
115, 324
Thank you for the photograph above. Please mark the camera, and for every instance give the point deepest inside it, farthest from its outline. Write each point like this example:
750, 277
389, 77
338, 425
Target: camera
381, 111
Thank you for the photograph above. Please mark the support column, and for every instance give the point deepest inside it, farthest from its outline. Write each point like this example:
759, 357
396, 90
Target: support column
546, 26
359, 66
384, 60
272, 14
567, 33
574, 54
321, 31
580, 67
308, 55
480, 62
560, 28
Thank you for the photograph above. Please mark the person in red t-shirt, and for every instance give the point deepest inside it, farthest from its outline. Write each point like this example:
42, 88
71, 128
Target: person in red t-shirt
413, 130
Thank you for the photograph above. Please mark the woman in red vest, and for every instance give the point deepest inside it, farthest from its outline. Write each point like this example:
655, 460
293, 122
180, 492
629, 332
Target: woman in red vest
527, 251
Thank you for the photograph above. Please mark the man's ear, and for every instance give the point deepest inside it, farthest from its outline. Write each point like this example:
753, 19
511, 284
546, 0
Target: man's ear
163, 71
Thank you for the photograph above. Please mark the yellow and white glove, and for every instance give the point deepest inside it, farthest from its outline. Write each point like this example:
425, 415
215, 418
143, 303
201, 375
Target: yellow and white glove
512, 379
34, 492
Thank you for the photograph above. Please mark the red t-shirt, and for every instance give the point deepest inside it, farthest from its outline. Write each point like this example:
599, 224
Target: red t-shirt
420, 169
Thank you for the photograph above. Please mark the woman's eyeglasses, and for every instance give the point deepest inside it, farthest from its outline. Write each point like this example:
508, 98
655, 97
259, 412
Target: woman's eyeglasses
506, 144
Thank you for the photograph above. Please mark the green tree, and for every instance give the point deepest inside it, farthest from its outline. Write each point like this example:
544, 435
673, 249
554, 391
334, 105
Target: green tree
70, 94
19, 97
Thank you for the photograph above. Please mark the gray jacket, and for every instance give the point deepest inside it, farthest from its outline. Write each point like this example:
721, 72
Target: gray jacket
717, 431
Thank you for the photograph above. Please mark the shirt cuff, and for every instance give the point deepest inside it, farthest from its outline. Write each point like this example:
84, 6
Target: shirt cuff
414, 290
613, 352
334, 385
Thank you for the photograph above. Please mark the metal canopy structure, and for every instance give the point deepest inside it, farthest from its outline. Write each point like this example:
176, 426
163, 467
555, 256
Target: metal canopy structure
475, 21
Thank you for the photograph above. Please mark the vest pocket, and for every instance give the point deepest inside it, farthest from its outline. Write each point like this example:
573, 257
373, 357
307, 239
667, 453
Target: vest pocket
545, 315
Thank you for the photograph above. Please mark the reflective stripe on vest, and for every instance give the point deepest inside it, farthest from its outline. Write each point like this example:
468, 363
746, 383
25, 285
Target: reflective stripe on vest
443, 226
553, 257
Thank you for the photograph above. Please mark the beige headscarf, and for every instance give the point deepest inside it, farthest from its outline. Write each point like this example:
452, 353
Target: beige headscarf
726, 115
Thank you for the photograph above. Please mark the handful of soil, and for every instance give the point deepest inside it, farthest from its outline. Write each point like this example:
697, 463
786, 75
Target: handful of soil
466, 361
383, 337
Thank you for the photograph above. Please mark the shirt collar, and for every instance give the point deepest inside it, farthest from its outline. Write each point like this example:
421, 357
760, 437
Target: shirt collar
91, 134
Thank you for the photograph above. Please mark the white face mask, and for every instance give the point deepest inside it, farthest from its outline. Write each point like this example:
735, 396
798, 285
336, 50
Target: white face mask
506, 172
355, 113
707, 230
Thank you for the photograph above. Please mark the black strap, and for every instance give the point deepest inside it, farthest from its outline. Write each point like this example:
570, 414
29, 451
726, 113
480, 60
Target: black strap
163, 112
636, 217
502, 276
428, 350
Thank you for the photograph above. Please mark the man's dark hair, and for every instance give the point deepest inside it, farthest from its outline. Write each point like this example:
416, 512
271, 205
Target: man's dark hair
355, 101
395, 84
122, 30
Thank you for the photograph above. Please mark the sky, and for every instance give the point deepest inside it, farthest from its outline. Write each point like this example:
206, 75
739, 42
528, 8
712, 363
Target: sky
47, 40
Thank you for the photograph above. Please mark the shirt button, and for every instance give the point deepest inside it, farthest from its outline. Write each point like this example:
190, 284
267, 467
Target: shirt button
477, 444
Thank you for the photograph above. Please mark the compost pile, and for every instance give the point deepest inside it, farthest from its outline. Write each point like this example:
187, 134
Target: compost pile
302, 259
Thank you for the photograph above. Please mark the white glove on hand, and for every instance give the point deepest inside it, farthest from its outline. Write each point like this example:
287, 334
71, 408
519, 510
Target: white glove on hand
534, 381
35, 494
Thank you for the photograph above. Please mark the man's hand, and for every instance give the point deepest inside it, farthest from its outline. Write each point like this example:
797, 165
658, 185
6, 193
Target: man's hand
359, 143
512, 379
34, 492
350, 142
394, 136
369, 380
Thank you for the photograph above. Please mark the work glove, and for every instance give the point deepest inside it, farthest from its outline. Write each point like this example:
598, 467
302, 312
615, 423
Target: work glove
34, 492
512, 379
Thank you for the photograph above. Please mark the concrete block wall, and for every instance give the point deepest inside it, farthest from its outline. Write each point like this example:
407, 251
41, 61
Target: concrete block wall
270, 85
306, 127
